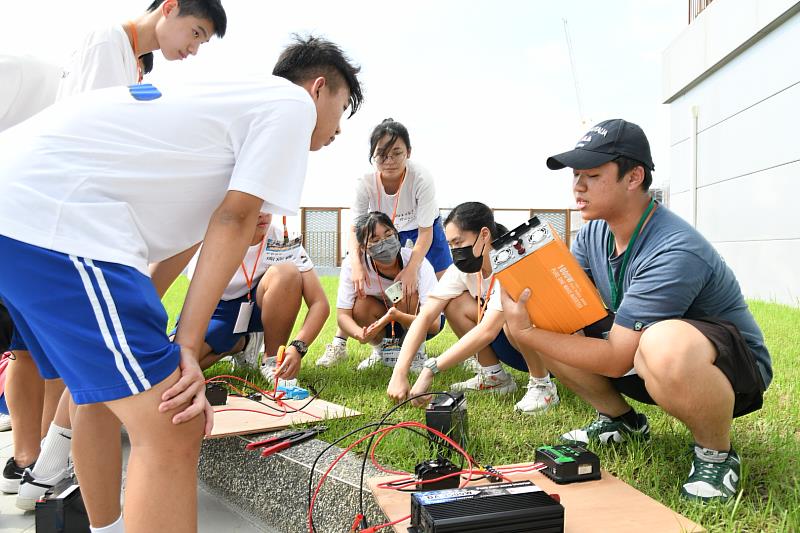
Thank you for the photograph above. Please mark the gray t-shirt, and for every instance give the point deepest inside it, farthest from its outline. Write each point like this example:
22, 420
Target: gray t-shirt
673, 272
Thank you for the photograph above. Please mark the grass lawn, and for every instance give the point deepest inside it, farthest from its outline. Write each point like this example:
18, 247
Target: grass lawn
768, 441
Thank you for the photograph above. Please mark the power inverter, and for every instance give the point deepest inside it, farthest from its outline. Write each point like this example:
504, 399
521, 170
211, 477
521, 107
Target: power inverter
563, 298
519, 507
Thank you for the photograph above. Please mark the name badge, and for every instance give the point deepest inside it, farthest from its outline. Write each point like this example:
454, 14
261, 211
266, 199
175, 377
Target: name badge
243, 320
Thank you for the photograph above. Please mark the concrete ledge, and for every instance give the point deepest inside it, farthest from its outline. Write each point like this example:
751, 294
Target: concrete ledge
274, 489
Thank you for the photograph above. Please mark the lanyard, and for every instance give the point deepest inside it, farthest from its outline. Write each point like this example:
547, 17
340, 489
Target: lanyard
397, 197
482, 308
285, 232
616, 283
380, 286
249, 280
135, 37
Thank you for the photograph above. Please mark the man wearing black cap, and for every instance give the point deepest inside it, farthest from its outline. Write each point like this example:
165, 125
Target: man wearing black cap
682, 336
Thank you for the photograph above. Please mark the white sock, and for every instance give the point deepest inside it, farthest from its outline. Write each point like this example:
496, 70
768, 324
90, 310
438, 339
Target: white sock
338, 341
709, 455
55, 452
117, 527
541, 381
492, 369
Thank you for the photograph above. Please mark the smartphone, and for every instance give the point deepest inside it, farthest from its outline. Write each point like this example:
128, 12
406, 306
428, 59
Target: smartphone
394, 292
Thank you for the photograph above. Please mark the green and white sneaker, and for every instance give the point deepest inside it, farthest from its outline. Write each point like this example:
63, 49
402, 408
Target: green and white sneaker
605, 430
711, 480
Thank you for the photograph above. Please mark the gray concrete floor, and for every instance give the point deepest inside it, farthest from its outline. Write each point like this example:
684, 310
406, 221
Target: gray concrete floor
214, 516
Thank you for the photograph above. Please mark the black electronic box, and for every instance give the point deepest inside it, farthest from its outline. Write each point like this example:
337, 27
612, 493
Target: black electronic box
567, 463
519, 507
447, 413
61, 510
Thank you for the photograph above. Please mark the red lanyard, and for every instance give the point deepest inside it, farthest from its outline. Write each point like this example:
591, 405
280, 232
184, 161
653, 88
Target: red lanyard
249, 280
285, 232
135, 37
396, 199
482, 308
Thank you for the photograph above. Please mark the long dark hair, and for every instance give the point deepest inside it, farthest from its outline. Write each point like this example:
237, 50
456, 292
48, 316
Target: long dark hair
365, 225
394, 130
472, 216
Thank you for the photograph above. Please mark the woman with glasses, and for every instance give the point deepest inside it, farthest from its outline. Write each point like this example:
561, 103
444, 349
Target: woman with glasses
469, 296
405, 192
377, 319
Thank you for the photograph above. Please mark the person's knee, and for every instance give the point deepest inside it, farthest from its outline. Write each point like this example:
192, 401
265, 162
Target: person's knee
285, 274
667, 353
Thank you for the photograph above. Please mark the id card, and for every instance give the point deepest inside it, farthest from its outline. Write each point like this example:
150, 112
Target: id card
390, 350
243, 320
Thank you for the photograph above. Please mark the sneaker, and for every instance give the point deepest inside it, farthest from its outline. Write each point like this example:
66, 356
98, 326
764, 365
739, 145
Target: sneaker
5, 422
333, 354
268, 371
12, 475
471, 364
498, 382
712, 481
374, 359
250, 356
419, 359
605, 430
31, 489
539, 397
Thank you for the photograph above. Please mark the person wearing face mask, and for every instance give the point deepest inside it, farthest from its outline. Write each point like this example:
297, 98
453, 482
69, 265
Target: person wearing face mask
469, 296
375, 319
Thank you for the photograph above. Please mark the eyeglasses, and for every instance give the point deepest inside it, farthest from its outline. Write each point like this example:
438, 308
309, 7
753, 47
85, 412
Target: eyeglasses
394, 156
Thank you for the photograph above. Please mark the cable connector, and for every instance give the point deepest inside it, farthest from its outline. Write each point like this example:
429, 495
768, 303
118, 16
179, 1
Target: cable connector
494, 475
358, 524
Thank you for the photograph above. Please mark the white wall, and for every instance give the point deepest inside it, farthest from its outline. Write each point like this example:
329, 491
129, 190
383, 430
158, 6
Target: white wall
748, 143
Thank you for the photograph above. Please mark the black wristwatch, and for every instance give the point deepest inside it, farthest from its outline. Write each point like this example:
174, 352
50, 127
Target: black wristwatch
300, 346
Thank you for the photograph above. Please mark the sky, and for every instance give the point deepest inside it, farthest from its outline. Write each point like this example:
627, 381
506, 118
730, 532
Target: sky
485, 88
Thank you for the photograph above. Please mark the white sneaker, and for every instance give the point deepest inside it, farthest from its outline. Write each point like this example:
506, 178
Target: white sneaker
419, 359
31, 489
333, 354
268, 368
5, 422
374, 359
251, 355
498, 382
539, 397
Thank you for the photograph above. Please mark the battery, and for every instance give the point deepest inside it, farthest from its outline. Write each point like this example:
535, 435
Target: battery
532, 255
567, 463
447, 414
518, 507
62, 510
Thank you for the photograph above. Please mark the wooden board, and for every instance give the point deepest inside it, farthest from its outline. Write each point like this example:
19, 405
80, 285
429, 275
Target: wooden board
228, 423
607, 504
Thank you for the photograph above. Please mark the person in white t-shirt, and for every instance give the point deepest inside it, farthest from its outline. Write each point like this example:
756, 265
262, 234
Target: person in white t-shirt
376, 318
103, 212
29, 85
404, 191
469, 296
265, 295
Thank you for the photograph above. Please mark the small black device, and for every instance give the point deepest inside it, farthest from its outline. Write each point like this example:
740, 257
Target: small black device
567, 463
447, 413
519, 507
436, 469
61, 510
216, 393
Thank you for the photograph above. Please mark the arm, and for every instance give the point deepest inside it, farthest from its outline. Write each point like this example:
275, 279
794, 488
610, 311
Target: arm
358, 274
345, 320
409, 273
164, 273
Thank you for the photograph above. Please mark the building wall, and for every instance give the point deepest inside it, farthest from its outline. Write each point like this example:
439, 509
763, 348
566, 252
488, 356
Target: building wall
747, 102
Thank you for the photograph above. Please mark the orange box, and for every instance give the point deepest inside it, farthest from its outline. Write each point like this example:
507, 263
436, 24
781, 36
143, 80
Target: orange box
563, 298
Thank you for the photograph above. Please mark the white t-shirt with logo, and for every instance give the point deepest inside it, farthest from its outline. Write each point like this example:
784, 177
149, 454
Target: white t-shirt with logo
454, 282
375, 285
109, 177
28, 86
416, 207
274, 252
105, 58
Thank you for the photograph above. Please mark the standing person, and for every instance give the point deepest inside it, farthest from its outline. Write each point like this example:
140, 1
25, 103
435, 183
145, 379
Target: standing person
405, 191
108, 57
375, 319
469, 296
682, 338
92, 316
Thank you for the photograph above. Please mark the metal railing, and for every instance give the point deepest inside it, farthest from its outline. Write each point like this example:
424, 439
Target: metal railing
696, 7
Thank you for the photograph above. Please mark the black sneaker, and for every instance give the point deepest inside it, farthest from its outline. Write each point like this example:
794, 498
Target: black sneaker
12, 475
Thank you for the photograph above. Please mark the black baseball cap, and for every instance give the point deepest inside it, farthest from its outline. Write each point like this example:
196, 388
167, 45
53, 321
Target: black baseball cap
603, 143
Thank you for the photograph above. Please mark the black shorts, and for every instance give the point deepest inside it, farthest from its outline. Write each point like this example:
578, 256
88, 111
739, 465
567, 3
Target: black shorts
734, 359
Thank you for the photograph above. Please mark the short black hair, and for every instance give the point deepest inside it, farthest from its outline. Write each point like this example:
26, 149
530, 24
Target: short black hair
203, 9
312, 57
365, 225
147, 62
626, 164
474, 216
394, 130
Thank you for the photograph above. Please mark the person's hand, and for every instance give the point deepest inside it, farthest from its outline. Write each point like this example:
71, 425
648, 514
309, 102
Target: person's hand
382, 321
362, 336
422, 385
398, 388
291, 364
359, 277
409, 278
190, 389
515, 312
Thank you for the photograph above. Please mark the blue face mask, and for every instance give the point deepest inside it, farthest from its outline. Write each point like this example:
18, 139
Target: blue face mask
385, 251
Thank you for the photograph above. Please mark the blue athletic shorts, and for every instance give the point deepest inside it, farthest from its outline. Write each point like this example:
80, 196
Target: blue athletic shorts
507, 353
400, 331
439, 253
100, 326
220, 335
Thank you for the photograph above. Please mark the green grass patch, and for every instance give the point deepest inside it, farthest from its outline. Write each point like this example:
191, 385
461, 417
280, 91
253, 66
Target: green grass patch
768, 441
